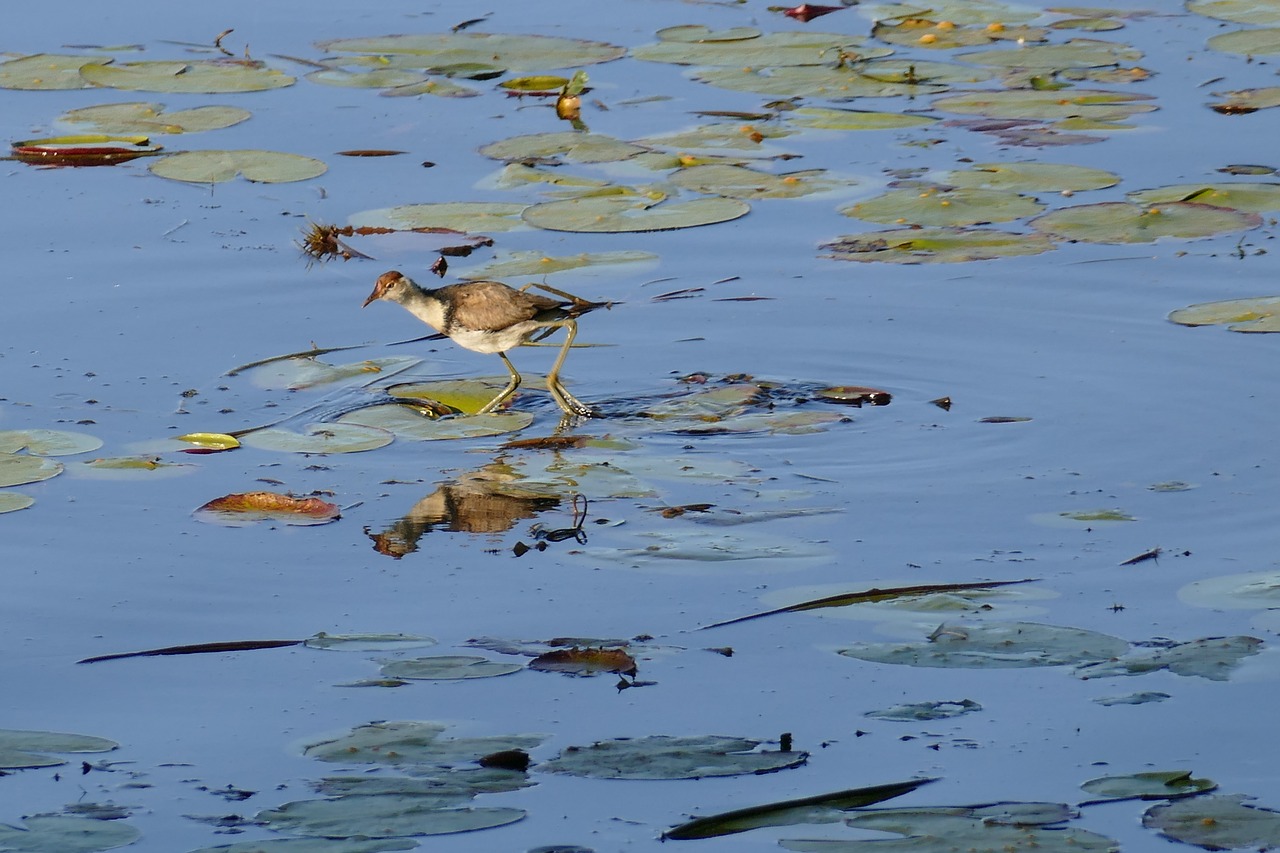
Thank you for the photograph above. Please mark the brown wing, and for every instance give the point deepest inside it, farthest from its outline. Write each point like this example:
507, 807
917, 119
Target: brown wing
492, 306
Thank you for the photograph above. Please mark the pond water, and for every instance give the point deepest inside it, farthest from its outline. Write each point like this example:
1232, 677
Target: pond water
129, 297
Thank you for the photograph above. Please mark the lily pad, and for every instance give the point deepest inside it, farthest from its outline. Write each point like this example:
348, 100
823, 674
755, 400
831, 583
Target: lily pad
1249, 196
1216, 822
1256, 12
320, 438
1256, 42
1125, 222
1076, 53
1255, 314
209, 167
455, 215
411, 742
958, 11
614, 215
916, 712
936, 245
141, 117
1094, 104
14, 501
16, 469
22, 749
376, 78
1093, 516
1242, 101
65, 834
210, 440
130, 468
819, 81
1251, 591
1031, 177
943, 207
519, 264
405, 423
664, 757
314, 845
93, 149
448, 667
576, 147
933, 34
47, 442
383, 816
518, 53
827, 118
212, 76
774, 49
1151, 785
47, 71
1213, 658
741, 182
302, 372
995, 645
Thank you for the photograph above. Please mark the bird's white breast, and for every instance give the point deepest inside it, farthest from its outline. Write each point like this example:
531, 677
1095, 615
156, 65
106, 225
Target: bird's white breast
499, 341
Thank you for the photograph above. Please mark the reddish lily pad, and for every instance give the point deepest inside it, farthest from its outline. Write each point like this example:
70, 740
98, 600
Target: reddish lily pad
251, 507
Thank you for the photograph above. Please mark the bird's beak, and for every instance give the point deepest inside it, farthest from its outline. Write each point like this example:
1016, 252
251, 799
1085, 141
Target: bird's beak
377, 293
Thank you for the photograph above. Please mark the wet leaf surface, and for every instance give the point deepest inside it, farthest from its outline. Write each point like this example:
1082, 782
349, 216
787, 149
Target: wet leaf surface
1255, 314
995, 645
1125, 222
201, 76
448, 668
1149, 785
251, 507
665, 757
26, 749
212, 167
1216, 822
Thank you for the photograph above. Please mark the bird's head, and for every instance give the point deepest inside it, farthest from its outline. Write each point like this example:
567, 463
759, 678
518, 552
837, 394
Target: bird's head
391, 286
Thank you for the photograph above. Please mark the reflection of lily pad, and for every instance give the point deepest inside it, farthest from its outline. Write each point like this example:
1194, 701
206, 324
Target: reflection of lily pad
456, 215
404, 422
936, 245
1255, 314
939, 206
448, 667
210, 167
143, 117
663, 757
47, 442
45, 71
1125, 222
1152, 785
320, 438
16, 469
203, 77
517, 52
1216, 822
995, 645
1031, 177
614, 215
383, 816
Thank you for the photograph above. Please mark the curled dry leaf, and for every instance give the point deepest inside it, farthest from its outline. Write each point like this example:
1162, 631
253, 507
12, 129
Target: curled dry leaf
248, 507
578, 661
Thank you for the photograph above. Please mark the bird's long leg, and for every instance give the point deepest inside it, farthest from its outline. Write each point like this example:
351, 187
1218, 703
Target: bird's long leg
505, 392
571, 404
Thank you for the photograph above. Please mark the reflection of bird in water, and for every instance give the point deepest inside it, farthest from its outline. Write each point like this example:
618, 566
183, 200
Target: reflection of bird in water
489, 316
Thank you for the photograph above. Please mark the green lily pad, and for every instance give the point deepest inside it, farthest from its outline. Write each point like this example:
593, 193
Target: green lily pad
994, 645
520, 264
741, 182
16, 470
367, 642
47, 442
1125, 222
517, 175
1249, 196
299, 373
934, 34
383, 816
411, 742
1216, 822
448, 667
818, 81
1151, 785
21, 749
147, 118
936, 245
614, 215
942, 207
209, 76
827, 118
406, 423
535, 83
377, 78
1255, 12
314, 845
64, 834
1076, 53
1257, 42
320, 438
698, 34
1248, 101
1093, 516
1255, 314
1094, 104
209, 167
774, 49
1250, 591
958, 11
14, 501
1031, 177
576, 147
1212, 657
665, 757
456, 215
518, 53
47, 71
719, 136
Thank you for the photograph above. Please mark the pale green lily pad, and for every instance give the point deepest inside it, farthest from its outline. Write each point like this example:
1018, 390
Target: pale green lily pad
377, 78
302, 372
1250, 591
917, 712
958, 11
938, 206
698, 34
1076, 53
1249, 196
1031, 177
720, 136
535, 83
22, 749
520, 264
406, 423
1093, 516
208, 167
1247, 100
576, 147
47, 71
14, 501
16, 470
1212, 657
1151, 785
457, 215
828, 118
412, 742
518, 175
313, 845
130, 468
995, 645
47, 442
383, 816
1258, 42
1255, 12
519, 53
812, 81
936, 245
1125, 222
1094, 104
615, 215
434, 86
741, 182
148, 118
448, 667
1216, 822
665, 757
210, 76
459, 782
1255, 314
64, 834
777, 422
367, 642
320, 438
774, 49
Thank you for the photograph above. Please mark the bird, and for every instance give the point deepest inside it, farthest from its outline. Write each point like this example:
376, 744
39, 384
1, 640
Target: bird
492, 317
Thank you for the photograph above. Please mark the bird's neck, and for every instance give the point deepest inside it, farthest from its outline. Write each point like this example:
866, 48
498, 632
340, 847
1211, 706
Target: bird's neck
427, 307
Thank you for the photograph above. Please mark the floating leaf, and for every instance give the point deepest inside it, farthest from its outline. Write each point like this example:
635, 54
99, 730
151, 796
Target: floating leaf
320, 438
454, 215
211, 440
589, 661
1257, 12
16, 470
1076, 53
855, 395
741, 182
47, 71
823, 81
299, 373
740, 48
130, 468
518, 264
826, 118
958, 11
535, 83
64, 834
1216, 822
367, 642
1095, 104
1245, 101
995, 645
1125, 222
448, 667
146, 118
1212, 657
208, 167
1255, 314
251, 507
212, 76
516, 52
737, 137
614, 215
313, 845
936, 35
47, 442
1249, 196
14, 501
412, 742
665, 757
917, 712
936, 245
383, 816
1151, 785
1031, 177
575, 147
939, 206
83, 150
1256, 42
406, 423
377, 78
21, 749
